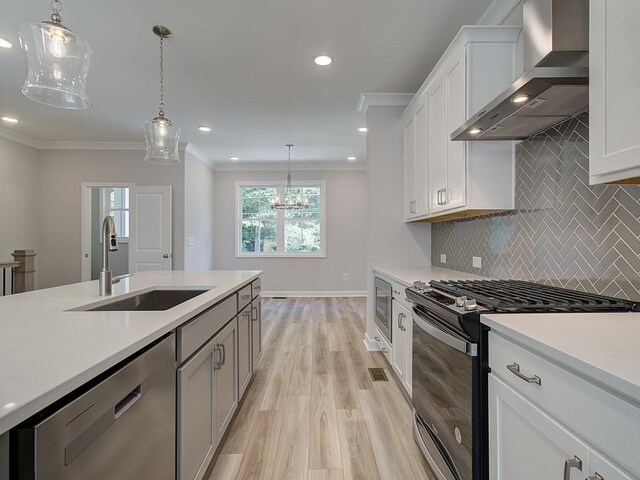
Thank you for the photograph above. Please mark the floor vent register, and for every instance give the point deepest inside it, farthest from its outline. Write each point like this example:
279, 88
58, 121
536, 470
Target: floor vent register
378, 375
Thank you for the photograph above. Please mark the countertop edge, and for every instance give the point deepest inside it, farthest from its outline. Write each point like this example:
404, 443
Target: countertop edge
391, 272
33, 406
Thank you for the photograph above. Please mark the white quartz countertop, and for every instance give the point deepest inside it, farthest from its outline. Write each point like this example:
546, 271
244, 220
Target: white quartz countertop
408, 275
600, 346
47, 351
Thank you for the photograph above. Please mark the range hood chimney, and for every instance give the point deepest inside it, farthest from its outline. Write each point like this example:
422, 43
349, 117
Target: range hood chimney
556, 83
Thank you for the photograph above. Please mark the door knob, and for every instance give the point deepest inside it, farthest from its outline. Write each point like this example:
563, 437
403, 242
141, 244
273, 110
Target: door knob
166, 255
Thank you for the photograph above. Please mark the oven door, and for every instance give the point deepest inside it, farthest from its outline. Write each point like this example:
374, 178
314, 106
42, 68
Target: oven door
443, 369
384, 299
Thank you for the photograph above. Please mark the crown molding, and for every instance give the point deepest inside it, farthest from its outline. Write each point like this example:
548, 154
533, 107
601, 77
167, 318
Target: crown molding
498, 12
282, 167
19, 138
369, 99
200, 155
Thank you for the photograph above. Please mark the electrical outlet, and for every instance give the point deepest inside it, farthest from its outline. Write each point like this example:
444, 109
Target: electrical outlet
345, 276
477, 262
192, 241
443, 258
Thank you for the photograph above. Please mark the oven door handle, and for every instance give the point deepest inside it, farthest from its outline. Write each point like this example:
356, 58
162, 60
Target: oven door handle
434, 330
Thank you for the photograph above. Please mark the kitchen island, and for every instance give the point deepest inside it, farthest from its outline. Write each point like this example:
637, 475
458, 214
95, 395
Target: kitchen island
48, 347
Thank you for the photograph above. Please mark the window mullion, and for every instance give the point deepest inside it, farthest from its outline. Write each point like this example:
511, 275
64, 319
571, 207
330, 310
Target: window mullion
280, 222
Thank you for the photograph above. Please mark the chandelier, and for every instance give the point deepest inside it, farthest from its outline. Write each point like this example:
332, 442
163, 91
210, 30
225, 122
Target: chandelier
161, 135
289, 200
57, 63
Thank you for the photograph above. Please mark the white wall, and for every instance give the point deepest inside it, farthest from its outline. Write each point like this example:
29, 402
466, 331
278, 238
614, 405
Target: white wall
391, 241
198, 213
61, 174
19, 199
346, 205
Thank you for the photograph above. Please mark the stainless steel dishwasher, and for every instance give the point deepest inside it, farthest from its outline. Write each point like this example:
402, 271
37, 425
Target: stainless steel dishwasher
121, 428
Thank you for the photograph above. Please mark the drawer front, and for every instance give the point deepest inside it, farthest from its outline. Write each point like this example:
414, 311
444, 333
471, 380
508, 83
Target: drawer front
385, 346
256, 287
195, 333
400, 296
603, 419
244, 297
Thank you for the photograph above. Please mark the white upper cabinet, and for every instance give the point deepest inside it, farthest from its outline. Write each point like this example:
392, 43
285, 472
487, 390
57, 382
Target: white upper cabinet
614, 69
447, 179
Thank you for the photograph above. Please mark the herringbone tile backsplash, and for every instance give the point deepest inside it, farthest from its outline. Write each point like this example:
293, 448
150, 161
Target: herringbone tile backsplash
563, 232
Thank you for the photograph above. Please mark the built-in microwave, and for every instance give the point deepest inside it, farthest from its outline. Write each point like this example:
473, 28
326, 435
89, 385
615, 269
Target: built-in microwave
384, 300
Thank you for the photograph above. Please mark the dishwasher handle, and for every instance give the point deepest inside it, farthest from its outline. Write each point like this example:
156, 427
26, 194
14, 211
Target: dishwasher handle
127, 402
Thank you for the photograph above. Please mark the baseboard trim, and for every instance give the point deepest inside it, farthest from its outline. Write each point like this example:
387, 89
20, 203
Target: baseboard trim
370, 344
354, 293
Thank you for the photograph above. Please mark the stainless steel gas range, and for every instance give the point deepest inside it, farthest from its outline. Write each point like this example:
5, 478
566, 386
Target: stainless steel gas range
450, 362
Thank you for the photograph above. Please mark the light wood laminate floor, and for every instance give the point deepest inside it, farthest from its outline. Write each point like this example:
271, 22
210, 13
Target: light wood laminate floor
312, 411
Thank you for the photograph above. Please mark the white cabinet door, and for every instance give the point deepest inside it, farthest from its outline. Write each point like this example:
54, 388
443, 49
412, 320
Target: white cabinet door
410, 169
225, 378
437, 145
601, 468
245, 359
527, 444
401, 352
456, 94
422, 160
614, 69
256, 333
196, 435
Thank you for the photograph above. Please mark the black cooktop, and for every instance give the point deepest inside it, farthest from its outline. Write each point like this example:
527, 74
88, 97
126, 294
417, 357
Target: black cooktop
520, 296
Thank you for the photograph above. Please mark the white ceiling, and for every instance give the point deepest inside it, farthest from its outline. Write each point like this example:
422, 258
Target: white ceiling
244, 67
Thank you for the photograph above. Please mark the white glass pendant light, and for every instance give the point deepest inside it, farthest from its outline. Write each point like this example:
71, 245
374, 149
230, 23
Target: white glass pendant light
289, 200
161, 134
57, 63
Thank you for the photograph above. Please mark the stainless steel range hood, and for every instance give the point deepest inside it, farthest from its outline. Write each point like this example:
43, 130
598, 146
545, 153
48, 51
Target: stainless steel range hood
556, 83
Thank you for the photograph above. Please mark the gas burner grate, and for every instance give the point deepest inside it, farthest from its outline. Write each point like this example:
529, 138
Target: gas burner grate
521, 296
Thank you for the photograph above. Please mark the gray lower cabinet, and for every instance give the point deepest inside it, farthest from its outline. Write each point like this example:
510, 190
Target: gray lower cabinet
256, 329
245, 360
207, 400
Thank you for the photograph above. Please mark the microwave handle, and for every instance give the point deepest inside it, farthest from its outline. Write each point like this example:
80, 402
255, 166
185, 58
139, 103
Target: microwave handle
463, 346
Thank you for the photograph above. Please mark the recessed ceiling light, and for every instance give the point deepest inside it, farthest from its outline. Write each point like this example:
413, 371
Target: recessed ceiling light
4, 43
10, 119
475, 131
520, 98
233, 158
323, 60
204, 128
362, 129
352, 159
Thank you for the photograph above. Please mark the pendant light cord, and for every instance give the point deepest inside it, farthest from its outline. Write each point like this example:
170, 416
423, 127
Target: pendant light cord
161, 114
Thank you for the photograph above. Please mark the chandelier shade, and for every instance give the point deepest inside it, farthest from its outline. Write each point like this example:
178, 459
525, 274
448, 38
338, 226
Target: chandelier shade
289, 200
161, 135
57, 62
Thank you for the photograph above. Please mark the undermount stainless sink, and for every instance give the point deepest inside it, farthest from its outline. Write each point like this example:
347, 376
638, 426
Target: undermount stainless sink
153, 300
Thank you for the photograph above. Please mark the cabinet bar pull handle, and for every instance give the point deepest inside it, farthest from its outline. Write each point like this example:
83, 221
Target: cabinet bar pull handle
444, 196
224, 354
400, 323
377, 338
570, 463
597, 476
515, 369
246, 297
255, 317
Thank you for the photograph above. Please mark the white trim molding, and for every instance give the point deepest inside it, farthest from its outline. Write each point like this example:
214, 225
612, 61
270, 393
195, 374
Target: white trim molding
370, 344
498, 12
200, 155
18, 137
268, 166
369, 99
321, 294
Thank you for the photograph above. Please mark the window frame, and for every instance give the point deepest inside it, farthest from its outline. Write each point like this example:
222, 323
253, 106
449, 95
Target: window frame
280, 220
105, 211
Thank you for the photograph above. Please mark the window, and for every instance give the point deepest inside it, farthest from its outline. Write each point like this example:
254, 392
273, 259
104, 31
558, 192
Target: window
262, 231
115, 202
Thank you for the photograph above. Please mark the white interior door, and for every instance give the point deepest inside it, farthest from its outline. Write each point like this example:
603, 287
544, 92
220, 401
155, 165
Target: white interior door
150, 229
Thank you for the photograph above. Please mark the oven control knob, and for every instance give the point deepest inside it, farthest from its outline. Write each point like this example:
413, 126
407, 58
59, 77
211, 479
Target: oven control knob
470, 304
460, 301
